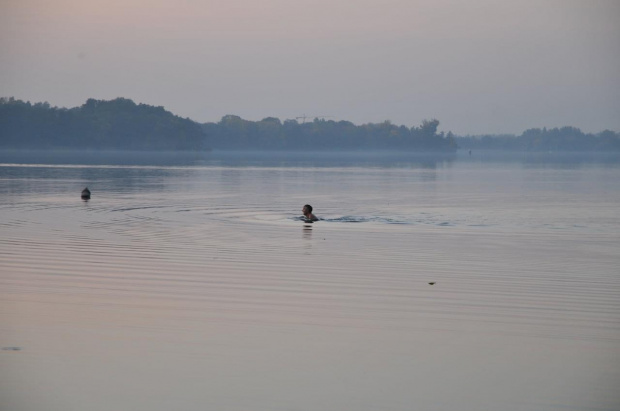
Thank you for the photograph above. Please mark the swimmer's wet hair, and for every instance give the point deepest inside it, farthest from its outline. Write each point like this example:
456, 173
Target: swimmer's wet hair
309, 207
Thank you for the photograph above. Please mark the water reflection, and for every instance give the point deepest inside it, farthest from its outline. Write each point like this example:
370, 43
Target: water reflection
547, 159
102, 157
307, 232
382, 159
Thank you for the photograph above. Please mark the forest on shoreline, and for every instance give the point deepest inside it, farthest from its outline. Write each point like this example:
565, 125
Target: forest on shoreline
122, 124
97, 124
537, 139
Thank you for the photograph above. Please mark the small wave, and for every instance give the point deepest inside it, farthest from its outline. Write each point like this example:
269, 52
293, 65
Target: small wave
362, 219
124, 209
356, 219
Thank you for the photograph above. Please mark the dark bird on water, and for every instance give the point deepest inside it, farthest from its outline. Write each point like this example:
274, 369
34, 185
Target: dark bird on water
86, 194
431, 283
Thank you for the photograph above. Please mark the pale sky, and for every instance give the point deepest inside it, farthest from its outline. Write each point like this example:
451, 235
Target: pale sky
478, 66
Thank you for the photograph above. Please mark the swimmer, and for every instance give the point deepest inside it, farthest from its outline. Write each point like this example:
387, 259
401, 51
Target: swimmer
307, 211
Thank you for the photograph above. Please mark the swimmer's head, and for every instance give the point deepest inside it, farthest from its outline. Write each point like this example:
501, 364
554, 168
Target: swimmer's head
307, 209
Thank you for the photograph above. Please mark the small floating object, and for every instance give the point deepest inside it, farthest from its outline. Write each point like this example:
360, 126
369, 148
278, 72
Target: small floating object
431, 283
86, 194
11, 349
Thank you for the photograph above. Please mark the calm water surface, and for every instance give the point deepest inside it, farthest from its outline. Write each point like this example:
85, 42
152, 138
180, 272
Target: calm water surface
188, 283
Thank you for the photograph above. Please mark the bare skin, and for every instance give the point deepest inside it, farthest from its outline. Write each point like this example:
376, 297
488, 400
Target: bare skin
308, 214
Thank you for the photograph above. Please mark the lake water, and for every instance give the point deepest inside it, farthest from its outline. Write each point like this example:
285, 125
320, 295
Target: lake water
188, 283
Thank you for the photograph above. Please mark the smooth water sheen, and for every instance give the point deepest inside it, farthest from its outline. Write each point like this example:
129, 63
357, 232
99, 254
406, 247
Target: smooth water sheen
191, 284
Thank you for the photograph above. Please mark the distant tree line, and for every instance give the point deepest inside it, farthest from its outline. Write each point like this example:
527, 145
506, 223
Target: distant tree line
123, 124
98, 124
233, 132
536, 139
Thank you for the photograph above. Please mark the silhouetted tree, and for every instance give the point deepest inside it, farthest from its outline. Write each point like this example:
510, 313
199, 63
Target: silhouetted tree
114, 124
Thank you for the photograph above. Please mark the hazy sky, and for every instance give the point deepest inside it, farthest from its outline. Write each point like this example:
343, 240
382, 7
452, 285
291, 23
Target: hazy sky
479, 66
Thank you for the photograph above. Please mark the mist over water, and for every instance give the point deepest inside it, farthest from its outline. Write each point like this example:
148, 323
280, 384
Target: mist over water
188, 281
